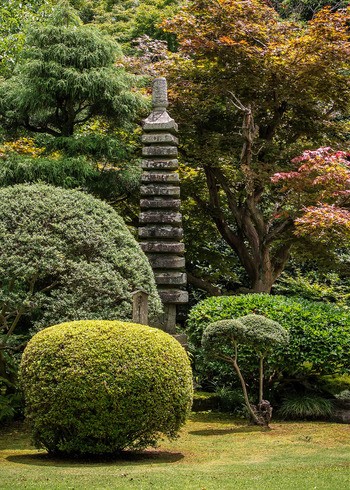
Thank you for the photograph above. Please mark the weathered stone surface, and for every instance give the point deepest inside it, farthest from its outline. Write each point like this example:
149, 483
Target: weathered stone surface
160, 216
167, 320
160, 190
154, 138
183, 339
171, 177
159, 151
165, 247
140, 307
160, 164
156, 231
166, 261
173, 296
160, 93
160, 203
341, 411
171, 217
170, 278
159, 120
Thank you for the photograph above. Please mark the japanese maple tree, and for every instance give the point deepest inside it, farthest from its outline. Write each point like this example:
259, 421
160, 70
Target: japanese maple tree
251, 91
322, 184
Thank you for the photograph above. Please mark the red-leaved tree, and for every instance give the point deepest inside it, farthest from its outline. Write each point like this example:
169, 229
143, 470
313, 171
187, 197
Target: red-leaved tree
322, 185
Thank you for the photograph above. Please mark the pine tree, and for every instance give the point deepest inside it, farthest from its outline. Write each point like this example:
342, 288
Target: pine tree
68, 76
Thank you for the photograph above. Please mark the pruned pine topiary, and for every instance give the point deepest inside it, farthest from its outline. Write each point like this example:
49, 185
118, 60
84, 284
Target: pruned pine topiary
221, 340
219, 336
99, 387
263, 333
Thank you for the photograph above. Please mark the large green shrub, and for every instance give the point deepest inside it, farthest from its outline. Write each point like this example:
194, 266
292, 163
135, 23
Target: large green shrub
95, 387
319, 333
64, 255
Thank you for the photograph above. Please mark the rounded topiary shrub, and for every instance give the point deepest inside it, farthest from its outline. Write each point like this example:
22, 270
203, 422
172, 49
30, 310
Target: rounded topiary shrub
99, 387
65, 255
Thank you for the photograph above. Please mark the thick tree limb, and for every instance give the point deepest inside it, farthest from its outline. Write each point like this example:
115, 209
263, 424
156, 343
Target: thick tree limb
204, 284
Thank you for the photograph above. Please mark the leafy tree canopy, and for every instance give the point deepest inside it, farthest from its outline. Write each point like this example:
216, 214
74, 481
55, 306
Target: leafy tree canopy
15, 15
305, 9
128, 20
251, 91
322, 183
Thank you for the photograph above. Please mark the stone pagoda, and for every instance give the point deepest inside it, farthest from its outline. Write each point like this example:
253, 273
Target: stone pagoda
160, 231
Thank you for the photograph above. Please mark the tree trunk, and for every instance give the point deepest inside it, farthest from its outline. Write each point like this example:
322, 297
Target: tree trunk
239, 216
264, 279
2, 363
261, 379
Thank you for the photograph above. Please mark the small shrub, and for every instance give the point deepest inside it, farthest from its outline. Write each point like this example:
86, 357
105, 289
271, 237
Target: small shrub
203, 401
223, 340
328, 288
334, 384
343, 396
98, 387
305, 407
10, 401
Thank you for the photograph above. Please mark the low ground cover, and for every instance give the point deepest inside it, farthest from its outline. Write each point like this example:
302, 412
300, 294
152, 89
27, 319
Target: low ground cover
213, 452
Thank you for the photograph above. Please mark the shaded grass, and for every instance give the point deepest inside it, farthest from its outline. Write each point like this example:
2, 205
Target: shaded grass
214, 452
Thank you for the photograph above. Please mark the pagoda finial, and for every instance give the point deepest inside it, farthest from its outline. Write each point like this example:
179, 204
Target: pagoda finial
160, 94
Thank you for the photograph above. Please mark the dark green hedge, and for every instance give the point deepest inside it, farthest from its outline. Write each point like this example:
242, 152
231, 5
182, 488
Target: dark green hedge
98, 387
319, 333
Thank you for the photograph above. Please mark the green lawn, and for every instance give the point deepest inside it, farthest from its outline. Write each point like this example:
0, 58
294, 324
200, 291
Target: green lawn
214, 452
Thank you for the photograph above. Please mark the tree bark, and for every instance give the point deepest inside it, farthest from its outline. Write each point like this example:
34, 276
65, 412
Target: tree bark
261, 379
246, 229
204, 284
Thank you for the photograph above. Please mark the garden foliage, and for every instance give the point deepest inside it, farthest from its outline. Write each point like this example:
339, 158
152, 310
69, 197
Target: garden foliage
96, 387
285, 84
319, 335
65, 255
67, 76
223, 340
305, 407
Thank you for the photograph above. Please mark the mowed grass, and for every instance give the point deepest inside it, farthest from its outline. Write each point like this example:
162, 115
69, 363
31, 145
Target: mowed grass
214, 452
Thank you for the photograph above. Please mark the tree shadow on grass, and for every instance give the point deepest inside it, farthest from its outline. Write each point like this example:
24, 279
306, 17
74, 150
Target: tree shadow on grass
126, 458
221, 432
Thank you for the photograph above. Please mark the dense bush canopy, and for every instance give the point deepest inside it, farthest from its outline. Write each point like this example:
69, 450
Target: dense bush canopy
221, 335
319, 333
95, 387
65, 255
261, 332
